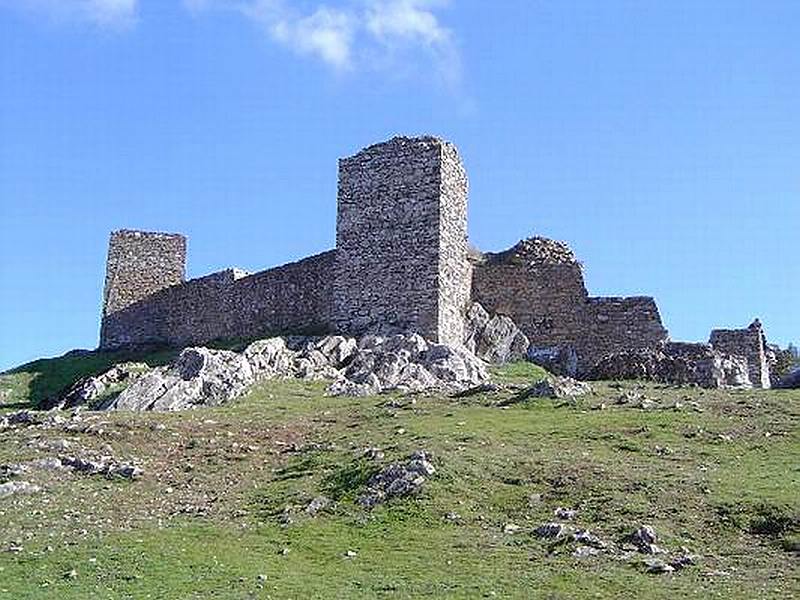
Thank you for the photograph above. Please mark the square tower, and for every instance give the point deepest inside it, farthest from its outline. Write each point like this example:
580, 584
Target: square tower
139, 264
401, 240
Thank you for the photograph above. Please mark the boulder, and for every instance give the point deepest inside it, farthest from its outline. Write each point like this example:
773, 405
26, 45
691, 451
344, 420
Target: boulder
408, 364
398, 480
556, 387
199, 377
495, 339
89, 389
560, 360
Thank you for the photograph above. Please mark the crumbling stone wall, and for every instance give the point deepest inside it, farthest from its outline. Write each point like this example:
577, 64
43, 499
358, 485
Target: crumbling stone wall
401, 239
614, 324
750, 344
539, 283
139, 264
294, 298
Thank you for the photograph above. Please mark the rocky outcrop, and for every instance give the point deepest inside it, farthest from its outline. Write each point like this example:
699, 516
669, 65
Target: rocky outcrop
407, 363
494, 339
676, 363
87, 390
206, 377
560, 360
557, 387
199, 376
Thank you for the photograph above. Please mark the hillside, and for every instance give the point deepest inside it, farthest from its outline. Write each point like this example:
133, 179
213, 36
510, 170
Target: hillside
225, 503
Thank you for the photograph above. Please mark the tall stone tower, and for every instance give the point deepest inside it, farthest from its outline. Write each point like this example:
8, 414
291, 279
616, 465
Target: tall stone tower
139, 264
401, 239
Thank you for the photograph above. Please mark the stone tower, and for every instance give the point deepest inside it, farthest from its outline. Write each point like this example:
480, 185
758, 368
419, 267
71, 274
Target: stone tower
139, 264
401, 240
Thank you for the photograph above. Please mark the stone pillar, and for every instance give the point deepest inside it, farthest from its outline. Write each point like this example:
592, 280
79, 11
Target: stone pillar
401, 239
139, 264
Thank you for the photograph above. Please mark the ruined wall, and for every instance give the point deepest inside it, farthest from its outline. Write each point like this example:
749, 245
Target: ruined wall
293, 298
138, 265
539, 283
616, 324
748, 343
401, 262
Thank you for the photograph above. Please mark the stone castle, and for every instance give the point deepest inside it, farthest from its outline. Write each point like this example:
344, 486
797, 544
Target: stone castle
402, 263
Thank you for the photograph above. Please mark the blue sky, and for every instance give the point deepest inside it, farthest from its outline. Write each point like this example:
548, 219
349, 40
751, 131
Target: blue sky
660, 139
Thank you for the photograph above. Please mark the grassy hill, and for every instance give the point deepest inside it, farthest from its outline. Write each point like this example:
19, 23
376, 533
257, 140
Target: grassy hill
220, 511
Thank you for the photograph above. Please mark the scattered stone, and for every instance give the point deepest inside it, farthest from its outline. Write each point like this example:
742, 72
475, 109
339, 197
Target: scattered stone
11, 488
565, 513
511, 528
552, 530
398, 480
584, 536
373, 453
317, 504
585, 552
555, 387
656, 566
108, 468
645, 538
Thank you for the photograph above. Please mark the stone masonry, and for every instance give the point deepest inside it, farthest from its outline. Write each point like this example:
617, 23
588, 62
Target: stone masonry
539, 283
401, 243
751, 344
401, 264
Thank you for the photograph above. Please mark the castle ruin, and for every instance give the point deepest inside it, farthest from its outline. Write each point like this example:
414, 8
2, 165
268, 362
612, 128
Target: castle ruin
401, 264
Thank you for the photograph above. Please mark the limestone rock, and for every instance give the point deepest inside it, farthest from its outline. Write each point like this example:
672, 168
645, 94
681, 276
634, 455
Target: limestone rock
407, 363
559, 360
88, 389
17, 487
557, 387
270, 358
199, 377
398, 480
495, 339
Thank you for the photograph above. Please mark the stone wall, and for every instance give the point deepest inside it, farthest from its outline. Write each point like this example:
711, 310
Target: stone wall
294, 298
539, 283
748, 343
615, 324
139, 264
401, 239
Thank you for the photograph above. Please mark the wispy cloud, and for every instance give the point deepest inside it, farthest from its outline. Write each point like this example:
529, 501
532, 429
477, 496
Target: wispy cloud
103, 13
400, 36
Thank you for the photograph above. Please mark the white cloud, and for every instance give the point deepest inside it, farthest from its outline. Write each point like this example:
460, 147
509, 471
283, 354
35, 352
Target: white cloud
398, 36
326, 33
103, 13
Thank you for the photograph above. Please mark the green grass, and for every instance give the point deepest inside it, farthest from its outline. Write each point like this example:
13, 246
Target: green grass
225, 490
32, 383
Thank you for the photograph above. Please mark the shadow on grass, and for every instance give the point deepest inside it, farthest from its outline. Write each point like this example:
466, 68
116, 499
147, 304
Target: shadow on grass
32, 383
